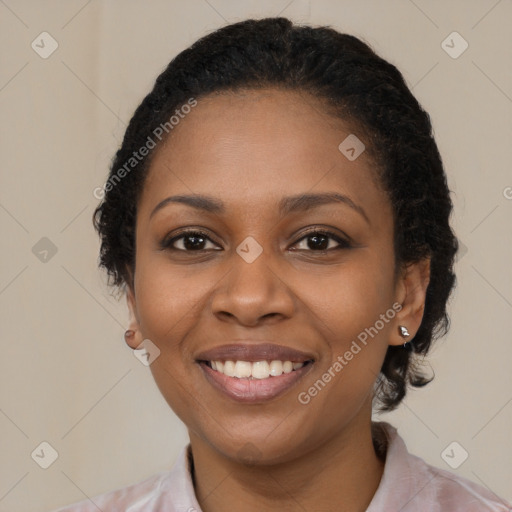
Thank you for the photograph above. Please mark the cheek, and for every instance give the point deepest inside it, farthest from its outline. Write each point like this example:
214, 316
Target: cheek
169, 298
353, 310
169, 302
352, 298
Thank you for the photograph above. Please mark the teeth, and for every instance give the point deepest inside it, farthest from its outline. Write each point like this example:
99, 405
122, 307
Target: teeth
256, 370
287, 366
243, 369
229, 369
260, 370
276, 368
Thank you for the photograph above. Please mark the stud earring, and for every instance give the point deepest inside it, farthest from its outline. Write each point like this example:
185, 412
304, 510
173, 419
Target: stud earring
129, 334
403, 331
405, 334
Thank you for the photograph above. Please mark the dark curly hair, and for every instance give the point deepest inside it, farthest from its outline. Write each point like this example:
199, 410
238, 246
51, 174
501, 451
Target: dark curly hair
357, 85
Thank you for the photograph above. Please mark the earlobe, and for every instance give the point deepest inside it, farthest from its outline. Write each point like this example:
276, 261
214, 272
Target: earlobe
129, 338
411, 295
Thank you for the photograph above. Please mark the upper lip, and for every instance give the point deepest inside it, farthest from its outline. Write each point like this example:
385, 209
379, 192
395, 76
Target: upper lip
254, 352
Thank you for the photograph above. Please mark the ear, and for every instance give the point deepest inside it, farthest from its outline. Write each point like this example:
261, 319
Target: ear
411, 290
136, 339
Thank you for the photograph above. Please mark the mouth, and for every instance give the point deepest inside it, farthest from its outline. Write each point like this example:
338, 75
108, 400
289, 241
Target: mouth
254, 373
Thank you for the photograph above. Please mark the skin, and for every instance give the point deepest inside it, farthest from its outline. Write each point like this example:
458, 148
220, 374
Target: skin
250, 149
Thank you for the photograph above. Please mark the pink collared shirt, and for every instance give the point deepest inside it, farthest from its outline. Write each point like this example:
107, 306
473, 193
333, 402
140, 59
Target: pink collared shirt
408, 484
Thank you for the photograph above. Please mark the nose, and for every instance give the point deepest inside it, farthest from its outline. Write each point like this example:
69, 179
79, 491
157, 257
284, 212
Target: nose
253, 293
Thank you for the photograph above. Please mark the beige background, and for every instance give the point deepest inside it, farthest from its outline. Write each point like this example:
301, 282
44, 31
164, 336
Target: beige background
67, 377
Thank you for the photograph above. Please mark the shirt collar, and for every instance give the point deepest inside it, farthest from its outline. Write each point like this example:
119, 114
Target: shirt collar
397, 488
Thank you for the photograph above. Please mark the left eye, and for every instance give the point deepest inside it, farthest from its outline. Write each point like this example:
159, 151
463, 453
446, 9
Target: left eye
322, 241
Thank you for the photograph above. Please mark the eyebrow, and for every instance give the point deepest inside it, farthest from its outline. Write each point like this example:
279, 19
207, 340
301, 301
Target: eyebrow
287, 205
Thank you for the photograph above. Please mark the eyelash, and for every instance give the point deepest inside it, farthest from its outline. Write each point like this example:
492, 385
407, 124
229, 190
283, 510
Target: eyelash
167, 244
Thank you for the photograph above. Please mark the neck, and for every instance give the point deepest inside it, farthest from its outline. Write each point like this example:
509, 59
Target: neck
341, 475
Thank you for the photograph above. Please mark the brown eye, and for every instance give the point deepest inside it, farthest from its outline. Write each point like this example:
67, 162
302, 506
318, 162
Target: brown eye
318, 241
188, 241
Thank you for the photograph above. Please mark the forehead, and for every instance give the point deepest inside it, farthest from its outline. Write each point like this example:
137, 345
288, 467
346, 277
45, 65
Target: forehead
253, 147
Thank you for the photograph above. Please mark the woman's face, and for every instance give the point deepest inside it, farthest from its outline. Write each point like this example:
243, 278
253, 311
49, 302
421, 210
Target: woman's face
268, 169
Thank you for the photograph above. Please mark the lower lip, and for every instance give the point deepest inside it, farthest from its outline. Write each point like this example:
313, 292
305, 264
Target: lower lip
253, 390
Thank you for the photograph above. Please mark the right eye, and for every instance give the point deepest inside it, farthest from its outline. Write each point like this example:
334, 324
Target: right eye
191, 241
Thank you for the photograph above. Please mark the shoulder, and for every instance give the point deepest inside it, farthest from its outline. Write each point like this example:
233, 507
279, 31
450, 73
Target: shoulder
410, 484
142, 493
167, 490
454, 493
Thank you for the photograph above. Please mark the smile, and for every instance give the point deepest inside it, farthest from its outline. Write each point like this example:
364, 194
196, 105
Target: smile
253, 382
255, 370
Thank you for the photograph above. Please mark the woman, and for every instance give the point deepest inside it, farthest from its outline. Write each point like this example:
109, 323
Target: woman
278, 215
